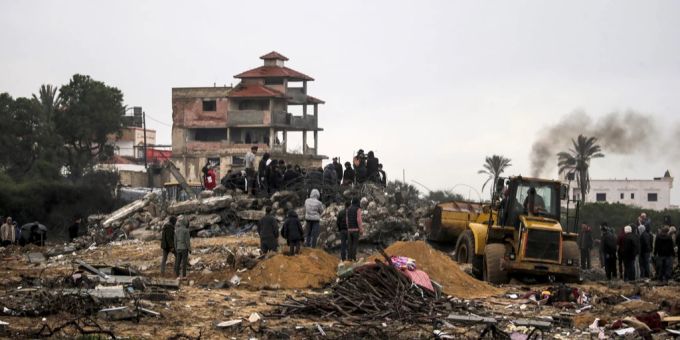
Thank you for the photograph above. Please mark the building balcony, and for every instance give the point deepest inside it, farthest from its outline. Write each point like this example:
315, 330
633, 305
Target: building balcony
237, 118
294, 123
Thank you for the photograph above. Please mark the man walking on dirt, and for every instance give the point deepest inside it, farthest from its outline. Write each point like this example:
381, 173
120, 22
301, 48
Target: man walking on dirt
168, 241
182, 248
268, 229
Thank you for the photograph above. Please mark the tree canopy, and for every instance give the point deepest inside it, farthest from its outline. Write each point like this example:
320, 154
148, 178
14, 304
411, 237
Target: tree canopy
577, 161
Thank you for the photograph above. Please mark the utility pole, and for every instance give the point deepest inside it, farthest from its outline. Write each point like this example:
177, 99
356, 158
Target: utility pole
146, 166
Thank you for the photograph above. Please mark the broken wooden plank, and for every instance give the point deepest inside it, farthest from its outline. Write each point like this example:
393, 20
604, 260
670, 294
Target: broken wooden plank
671, 319
533, 323
115, 292
91, 269
165, 283
471, 319
116, 313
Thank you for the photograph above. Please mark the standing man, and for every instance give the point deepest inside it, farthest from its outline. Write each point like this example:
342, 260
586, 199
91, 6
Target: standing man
250, 168
313, 210
168, 241
585, 243
645, 251
354, 228
631, 246
341, 223
349, 175
383, 175
268, 229
74, 229
7, 233
338, 169
608, 245
292, 232
182, 248
620, 240
664, 252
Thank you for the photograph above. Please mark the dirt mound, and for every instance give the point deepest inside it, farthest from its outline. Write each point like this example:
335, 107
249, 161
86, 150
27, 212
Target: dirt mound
442, 269
314, 268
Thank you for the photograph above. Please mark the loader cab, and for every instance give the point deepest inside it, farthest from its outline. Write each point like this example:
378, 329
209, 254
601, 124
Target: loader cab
531, 197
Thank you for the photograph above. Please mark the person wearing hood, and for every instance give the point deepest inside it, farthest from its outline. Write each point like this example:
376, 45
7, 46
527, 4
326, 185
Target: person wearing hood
354, 228
585, 243
168, 241
348, 175
330, 177
292, 232
631, 246
313, 210
646, 245
182, 248
268, 229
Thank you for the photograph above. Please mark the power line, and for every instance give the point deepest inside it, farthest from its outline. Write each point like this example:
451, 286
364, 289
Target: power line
158, 121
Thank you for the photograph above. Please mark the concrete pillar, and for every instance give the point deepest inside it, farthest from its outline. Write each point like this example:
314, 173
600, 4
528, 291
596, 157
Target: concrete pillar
285, 141
304, 87
316, 142
228, 135
304, 110
304, 142
272, 137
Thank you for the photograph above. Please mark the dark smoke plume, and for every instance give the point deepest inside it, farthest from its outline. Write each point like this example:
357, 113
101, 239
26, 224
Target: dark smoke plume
618, 133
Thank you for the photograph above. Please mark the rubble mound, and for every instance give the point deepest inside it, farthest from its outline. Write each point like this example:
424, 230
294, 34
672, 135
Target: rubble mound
442, 269
313, 268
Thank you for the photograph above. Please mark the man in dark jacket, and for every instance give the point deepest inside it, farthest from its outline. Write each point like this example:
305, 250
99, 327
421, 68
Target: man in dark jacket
349, 175
645, 251
74, 229
383, 175
330, 177
620, 238
262, 171
341, 223
292, 232
268, 229
338, 169
631, 248
664, 252
182, 248
372, 167
354, 228
274, 177
608, 245
290, 176
585, 243
168, 241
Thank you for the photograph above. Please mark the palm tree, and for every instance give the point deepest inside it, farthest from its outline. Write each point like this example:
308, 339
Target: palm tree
494, 167
48, 100
577, 161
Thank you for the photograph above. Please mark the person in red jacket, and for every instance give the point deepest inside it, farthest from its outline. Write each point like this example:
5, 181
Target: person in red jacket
210, 178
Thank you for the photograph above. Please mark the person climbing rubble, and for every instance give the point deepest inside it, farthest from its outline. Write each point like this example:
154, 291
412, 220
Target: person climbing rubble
292, 232
182, 248
354, 228
268, 229
313, 210
168, 241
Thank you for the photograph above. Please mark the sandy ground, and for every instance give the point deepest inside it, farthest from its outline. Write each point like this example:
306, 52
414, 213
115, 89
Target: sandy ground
195, 308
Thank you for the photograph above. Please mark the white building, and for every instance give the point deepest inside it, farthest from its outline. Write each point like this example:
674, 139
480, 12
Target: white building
652, 194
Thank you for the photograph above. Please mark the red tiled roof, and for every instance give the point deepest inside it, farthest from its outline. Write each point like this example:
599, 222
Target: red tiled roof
313, 100
243, 91
273, 72
274, 55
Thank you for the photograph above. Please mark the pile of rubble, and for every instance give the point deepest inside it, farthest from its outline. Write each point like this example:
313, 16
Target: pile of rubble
387, 218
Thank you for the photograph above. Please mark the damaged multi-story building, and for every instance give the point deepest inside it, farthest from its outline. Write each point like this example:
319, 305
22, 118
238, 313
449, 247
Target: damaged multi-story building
220, 124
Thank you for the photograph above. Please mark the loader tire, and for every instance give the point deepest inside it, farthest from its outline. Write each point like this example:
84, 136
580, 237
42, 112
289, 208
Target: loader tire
493, 254
465, 253
570, 251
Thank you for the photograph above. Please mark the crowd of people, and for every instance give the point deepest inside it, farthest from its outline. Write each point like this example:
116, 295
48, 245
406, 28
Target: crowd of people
633, 252
271, 175
11, 233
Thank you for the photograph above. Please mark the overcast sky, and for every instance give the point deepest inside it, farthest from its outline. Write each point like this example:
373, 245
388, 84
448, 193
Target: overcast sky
431, 86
